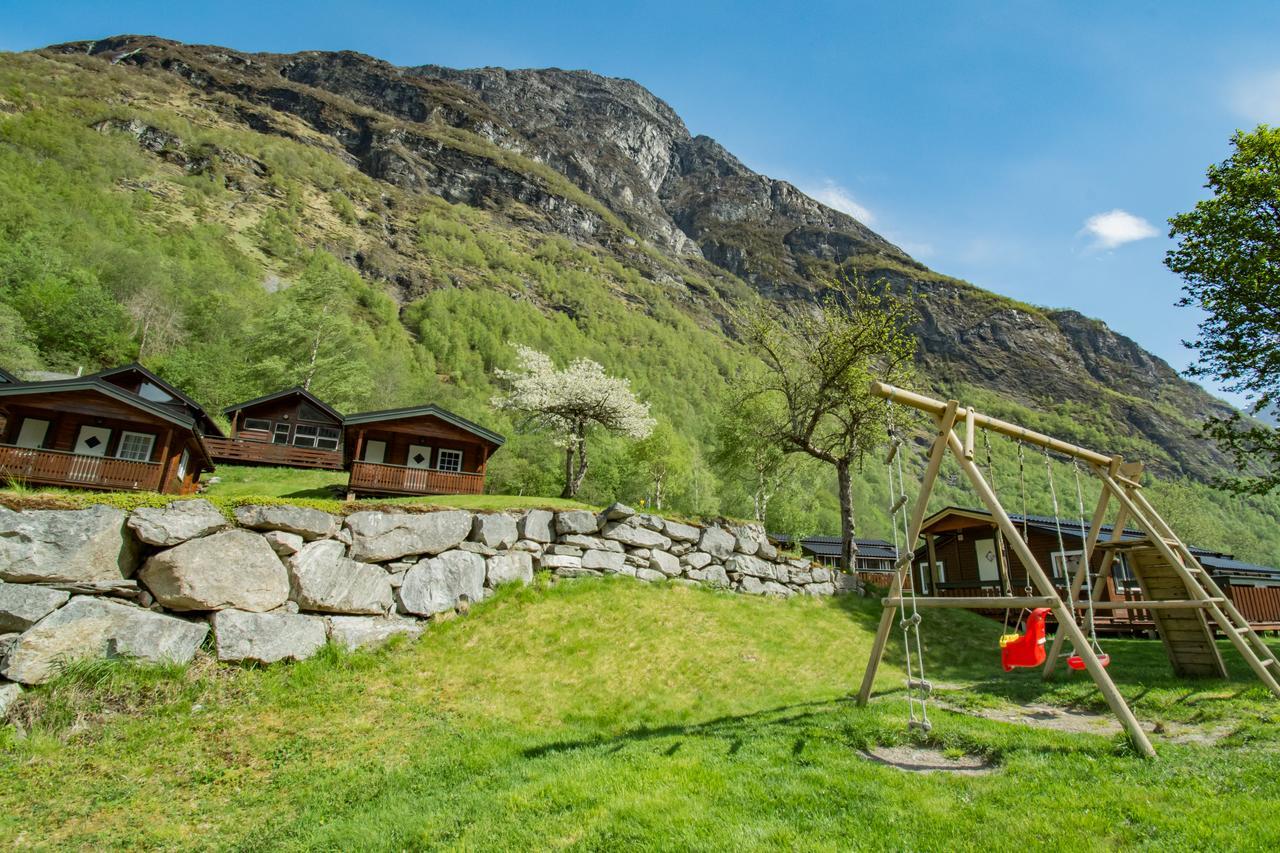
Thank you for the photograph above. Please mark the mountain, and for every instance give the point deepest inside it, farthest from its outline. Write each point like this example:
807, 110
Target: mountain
572, 209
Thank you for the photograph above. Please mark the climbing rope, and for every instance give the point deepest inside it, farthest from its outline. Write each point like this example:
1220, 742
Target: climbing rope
918, 686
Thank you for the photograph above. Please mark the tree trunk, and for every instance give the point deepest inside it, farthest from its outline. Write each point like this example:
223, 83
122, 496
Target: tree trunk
848, 550
573, 478
568, 470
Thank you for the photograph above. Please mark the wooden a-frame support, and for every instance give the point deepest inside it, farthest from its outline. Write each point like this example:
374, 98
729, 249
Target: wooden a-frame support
1120, 481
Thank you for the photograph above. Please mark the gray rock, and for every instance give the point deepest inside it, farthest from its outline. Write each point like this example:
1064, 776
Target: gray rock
396, 579
820, 589
606, 561
308, 523
640, 561
437, 584
233, 569
681, 532
241, 636
679, 549
696, 559
8, 642
285, 544
767, 551
617, 512
751, 586
511, 567
717, 542
177, 522
360, 632
637, 537
564, 551
590, 543
323, 578
528, 545
747, 565
640, 553
577, 572
536, 525
497, 530
650, 575
23, 605
820, 574
846, 583
775, 588
477, 548
663, 562
88, 627
558, 561
650, 521
577, 521
800, 577
76, 545
715, 576
9, 694
381, 536
629, 571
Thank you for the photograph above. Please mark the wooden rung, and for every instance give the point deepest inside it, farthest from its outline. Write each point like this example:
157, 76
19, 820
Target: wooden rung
993, 602
899, 504
920, 684
922, 725
893, 451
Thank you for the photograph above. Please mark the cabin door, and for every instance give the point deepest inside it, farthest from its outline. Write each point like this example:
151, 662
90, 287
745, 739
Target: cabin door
988, 566
419, 456
91, 445
32, 433
375, 451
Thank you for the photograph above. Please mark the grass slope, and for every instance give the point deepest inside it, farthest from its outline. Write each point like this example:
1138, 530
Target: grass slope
612, 715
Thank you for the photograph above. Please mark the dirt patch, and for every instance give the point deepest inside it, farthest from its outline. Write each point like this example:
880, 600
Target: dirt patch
1047, 717
920, 759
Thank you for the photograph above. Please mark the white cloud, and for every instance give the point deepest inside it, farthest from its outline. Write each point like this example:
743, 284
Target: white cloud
1256, 97
837, 197
1117, 227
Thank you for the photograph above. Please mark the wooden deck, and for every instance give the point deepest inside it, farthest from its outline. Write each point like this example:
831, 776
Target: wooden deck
378, 479
58, 468
239, 451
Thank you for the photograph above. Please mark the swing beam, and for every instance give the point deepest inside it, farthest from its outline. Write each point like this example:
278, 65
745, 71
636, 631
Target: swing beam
1119, 480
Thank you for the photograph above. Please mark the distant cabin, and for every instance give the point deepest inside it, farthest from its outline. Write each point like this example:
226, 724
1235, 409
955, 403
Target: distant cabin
874, 555
119, 429
424, 450
963, 555
291, 428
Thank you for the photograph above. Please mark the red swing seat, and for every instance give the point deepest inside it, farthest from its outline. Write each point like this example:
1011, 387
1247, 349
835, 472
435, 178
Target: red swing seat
1027, 650
1076, 662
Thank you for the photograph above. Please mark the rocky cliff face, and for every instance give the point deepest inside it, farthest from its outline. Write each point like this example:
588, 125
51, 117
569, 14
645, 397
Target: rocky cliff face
606, 162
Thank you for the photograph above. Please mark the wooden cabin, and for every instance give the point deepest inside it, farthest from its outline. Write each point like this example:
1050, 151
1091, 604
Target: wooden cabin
964, 556
418, 451
92, 433
873, 564
291, 428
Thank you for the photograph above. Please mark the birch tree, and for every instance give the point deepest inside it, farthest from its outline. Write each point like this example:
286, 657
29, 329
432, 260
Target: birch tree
569, 403
814, 388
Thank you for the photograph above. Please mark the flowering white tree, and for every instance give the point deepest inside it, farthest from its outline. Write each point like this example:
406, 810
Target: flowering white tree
569, 402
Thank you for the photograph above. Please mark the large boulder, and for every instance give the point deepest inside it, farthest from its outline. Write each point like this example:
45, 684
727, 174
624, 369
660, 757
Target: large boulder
233, 569
308, 523
323, 578
494, 529
437, 584
635, 536
177, 522
377, 537
696, 559
617, 511
73, 545
513, 566
359, 632
680, 532
266, 637
745, 564
717, 542
715, 576
663, 562
89, 627
577, 521
9, 693
536, 526
23, 605
606, 561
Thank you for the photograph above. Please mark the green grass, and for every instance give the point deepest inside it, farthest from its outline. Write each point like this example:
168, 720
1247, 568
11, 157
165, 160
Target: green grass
616, 715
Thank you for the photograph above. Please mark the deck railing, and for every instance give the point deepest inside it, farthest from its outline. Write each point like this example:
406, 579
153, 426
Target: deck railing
232, 450
59, 468
373, 477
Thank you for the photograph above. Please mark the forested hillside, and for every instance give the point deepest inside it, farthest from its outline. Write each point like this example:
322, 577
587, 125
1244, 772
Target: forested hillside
244, 222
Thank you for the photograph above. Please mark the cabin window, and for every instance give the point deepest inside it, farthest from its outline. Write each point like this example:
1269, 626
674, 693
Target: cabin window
136, 446
924, 578
1120, 570
257, 424
182, 465
154, 393
281, 435
309, 435
1064, 563
448, 460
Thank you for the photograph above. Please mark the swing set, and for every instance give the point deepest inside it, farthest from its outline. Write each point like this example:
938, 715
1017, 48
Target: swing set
1185, 602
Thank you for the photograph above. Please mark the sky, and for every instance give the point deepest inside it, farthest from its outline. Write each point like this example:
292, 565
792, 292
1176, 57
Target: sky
1033, 148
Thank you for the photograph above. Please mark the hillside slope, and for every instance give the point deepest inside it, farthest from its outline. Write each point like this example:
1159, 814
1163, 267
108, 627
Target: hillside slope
161, 198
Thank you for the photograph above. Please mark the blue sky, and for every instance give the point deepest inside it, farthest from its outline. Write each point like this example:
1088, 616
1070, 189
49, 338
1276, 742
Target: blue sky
1033, 148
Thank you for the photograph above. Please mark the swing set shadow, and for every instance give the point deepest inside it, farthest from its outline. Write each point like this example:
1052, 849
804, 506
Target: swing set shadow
1182, 597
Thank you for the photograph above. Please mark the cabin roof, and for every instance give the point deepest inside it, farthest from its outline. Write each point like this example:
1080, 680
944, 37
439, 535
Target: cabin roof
86, 383
7, 378
201, 416
422, 411
829, 546
299, 390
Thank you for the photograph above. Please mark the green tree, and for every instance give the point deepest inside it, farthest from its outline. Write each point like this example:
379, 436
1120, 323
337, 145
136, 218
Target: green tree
1228, 255
664, 461
813, 392
17, 349
747, 451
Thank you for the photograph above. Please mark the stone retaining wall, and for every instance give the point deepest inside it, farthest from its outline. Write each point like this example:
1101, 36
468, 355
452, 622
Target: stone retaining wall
280, 581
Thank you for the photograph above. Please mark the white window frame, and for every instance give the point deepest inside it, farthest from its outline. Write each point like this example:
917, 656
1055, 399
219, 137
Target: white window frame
125, 435
314, 435
442, 453
182, 465
1059, 567
245, 427
925, 580
286, 433
1126, 581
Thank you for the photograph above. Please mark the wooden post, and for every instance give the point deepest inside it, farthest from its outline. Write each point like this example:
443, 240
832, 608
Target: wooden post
936, 454
165, 462
1065, 615
1002, 564
931, 544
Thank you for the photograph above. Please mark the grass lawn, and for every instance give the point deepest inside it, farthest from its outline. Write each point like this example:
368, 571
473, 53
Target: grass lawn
611, 714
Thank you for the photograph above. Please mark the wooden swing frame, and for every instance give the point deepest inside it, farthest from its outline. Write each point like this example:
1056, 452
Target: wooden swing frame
1120, 482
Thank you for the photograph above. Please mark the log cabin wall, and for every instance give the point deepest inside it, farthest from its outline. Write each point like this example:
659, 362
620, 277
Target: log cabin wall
290, 411
426, 432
